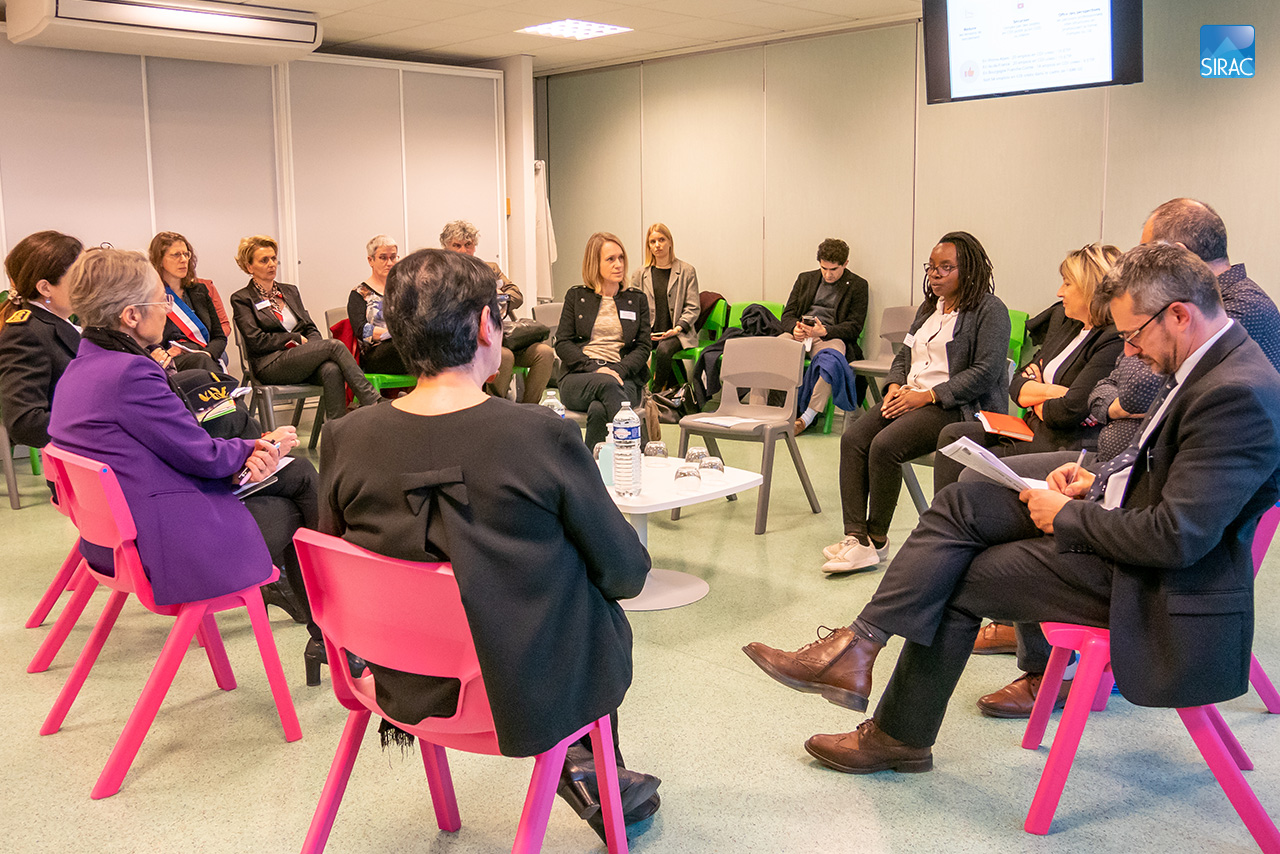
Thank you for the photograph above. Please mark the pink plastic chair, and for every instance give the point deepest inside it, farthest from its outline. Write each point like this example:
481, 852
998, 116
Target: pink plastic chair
409, 616
1091, 688
92, 497
1261, 542
65, 579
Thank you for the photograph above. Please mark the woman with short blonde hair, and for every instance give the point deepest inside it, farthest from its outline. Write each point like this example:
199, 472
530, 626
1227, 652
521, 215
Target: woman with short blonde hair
282, 344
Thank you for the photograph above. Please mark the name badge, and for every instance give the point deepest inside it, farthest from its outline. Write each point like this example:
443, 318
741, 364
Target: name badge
266, 303
909, 340
627, 315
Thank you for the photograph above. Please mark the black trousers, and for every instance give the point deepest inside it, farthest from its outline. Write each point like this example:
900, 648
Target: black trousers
974, 554
663, 376
872, 451
292, 502
325, 362
382, 358
600, 396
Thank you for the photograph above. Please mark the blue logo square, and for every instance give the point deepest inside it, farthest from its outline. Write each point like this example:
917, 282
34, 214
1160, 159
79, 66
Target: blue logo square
1226, 51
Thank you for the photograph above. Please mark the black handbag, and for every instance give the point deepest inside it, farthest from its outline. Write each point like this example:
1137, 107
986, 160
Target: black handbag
523, 333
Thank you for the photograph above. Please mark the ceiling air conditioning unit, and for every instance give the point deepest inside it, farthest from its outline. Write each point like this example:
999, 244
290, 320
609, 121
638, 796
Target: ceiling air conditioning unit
219, 32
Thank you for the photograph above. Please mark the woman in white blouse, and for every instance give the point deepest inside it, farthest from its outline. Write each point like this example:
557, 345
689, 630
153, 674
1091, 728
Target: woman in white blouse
953, 364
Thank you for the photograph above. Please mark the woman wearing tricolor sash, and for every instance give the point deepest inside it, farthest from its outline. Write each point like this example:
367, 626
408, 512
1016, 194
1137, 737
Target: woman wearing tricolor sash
193, 334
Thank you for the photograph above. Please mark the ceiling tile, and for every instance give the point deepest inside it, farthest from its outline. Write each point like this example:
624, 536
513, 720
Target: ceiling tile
350, 26
417, 10
787, 18
715, 31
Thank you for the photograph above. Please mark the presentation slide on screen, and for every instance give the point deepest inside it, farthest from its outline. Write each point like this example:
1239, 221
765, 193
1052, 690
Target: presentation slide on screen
1014, 45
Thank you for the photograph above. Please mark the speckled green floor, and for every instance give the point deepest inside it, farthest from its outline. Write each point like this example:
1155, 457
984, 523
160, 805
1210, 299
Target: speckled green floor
215, 774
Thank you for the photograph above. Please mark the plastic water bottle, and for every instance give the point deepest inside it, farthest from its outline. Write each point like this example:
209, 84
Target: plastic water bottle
627, 453
552, 402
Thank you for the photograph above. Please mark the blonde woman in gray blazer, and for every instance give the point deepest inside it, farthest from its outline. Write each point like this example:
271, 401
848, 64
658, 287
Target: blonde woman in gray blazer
673, 328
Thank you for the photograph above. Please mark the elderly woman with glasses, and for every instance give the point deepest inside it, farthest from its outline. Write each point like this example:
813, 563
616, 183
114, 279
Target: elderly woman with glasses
953, 364
282, 344
364, 311
537, 357
510, 496
117, 406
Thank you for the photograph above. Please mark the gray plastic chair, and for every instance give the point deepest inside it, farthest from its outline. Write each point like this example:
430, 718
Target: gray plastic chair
759, 365
909, 474
265, 397
895, 322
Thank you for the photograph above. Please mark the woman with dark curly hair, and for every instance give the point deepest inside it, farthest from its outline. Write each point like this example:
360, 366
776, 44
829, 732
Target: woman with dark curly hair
953, 364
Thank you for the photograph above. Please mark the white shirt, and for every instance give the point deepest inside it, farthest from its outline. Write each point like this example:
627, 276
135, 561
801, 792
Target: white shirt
929, 366
1118, 483
1050, 372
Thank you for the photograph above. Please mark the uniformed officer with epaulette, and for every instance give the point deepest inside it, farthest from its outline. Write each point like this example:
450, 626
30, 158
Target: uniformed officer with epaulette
37, 339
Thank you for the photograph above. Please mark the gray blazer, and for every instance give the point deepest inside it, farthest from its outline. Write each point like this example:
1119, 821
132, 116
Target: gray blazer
977, 359
682, 298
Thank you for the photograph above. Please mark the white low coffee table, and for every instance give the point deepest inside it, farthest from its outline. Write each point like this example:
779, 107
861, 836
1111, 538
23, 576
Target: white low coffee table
667, 588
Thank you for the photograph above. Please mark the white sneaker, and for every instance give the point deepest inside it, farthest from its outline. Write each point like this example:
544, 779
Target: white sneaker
833, 551
857, 556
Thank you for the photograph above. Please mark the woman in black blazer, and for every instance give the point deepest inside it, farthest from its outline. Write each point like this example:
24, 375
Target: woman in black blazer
1080, 348
37, 341
603, 340
282, 344
193, 333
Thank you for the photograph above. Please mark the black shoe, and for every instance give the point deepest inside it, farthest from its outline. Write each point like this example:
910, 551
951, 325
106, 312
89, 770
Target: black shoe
315, 655
580, 789
278, 593
637, 821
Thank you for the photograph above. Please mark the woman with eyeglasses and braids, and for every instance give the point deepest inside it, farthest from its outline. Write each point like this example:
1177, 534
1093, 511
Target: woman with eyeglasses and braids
1080, 348
953, 364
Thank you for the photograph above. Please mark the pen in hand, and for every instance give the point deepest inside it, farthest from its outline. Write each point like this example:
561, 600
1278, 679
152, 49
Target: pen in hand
1078, 468
245, 473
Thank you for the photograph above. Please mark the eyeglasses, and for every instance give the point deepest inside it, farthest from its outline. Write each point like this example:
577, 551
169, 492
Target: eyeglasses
168, 302
178, 255
943, 270
1130, 337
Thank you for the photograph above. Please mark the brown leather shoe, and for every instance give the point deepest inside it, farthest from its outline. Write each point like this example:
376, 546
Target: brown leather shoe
996, 639
837, 666
868, 749
1018, 698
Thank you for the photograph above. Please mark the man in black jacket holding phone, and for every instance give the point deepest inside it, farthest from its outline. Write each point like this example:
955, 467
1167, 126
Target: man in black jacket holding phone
827, 307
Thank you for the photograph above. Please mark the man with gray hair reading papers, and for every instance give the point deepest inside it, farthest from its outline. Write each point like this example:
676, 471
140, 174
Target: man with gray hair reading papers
1155, 545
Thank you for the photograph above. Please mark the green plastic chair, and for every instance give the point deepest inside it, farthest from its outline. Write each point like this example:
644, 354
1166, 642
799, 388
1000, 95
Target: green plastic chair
1017, 334
710, 331
381, 381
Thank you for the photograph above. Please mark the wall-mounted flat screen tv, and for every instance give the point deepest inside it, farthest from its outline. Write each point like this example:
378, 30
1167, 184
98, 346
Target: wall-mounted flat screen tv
991, 48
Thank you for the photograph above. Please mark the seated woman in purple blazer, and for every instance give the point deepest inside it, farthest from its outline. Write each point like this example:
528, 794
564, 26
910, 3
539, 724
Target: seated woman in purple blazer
116, 405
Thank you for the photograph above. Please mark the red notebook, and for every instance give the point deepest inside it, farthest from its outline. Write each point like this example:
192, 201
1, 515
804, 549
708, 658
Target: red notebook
1005, 425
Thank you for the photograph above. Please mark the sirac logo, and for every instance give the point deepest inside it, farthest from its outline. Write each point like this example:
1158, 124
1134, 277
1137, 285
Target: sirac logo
1226, 51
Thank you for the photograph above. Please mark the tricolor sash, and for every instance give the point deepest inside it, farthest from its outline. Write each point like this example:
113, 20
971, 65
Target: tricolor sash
188, 324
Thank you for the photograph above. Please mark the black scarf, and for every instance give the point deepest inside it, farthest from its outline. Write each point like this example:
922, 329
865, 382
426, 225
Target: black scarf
119, 342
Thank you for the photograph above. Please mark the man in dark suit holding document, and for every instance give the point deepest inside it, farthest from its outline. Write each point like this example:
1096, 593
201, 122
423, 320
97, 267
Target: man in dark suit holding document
1154, 545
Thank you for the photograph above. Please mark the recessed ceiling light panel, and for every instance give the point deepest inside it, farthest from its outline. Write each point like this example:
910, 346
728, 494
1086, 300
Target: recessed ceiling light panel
571, 29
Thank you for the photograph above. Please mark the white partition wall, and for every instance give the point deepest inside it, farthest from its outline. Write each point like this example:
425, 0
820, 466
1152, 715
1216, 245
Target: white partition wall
322, 154
213, 159
850, 149
73, 148
448, 180
703, 135
595, 120
836, 167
